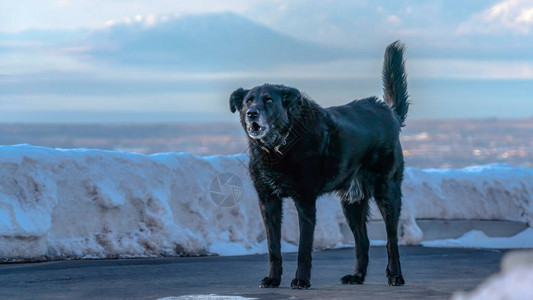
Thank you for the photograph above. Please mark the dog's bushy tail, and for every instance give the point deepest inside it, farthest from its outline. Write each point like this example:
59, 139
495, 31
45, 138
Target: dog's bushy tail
395, 80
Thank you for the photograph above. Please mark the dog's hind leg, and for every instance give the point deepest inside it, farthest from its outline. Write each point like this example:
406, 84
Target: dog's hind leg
271, 212
356, 214
306, 218
388, 197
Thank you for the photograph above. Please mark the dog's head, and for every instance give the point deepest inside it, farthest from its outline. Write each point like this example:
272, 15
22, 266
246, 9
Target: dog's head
265, 110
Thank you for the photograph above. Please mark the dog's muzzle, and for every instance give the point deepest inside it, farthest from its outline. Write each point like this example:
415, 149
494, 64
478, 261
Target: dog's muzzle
256, 130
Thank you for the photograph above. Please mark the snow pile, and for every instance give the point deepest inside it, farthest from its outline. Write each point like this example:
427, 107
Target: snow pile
513, 282
81, 203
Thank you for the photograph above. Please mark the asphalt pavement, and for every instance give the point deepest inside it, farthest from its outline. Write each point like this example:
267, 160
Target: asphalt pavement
430, 273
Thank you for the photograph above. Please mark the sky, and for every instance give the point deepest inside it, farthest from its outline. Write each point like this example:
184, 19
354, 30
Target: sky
161, 60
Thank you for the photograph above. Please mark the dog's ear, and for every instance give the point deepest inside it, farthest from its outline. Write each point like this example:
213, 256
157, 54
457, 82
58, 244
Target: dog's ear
235, 100
291, 97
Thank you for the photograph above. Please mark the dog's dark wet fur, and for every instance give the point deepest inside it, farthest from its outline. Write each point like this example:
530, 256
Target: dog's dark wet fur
301, 150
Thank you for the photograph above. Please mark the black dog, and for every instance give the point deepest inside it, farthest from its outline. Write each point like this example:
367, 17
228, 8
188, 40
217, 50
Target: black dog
302, 151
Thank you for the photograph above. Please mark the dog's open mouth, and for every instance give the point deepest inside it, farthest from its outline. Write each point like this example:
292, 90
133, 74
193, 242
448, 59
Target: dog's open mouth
256, 131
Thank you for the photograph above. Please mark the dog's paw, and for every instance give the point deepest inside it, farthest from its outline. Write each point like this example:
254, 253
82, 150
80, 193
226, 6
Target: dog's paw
356, 278
300, 284
268, 282
395, 280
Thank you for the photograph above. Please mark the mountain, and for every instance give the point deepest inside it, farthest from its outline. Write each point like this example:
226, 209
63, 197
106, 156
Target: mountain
222, 41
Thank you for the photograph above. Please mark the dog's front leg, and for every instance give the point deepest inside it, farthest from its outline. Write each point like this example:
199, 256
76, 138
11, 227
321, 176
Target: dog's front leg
306, 219
271, 211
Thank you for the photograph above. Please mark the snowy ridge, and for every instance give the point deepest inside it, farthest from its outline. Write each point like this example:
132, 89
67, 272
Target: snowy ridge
81, 203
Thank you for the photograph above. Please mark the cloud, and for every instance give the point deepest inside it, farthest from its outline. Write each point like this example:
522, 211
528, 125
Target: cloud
61, 3
23, 15
471, 69
394, 20
509, 16
149, 20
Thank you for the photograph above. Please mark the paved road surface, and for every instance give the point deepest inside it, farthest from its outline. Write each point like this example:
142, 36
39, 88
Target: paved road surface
429, 273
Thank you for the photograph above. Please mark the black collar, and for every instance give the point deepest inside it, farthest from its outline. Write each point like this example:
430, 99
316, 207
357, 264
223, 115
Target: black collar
283, 142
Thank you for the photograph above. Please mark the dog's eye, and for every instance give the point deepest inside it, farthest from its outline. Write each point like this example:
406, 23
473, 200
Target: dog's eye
269, 100
249, 101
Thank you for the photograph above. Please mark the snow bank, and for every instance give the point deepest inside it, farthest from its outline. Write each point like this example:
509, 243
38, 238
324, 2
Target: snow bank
478, 239
57, 204
490, 192
207, 297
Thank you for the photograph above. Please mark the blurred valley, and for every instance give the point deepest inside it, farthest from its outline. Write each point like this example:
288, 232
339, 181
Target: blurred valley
427, 143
